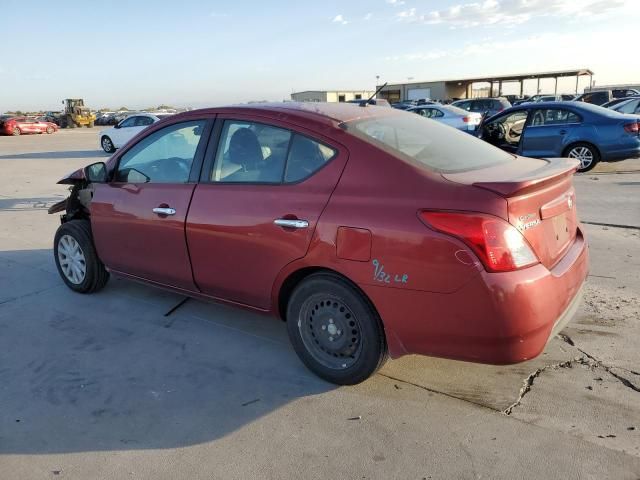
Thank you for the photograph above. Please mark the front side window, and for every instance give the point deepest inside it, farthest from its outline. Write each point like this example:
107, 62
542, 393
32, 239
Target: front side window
129, 122
143, 121
432, 145
164, 156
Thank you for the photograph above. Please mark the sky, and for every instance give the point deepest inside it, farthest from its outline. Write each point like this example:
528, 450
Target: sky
199, 53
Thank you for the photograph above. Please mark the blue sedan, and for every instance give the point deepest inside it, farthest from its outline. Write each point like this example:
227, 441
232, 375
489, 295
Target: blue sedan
565, 129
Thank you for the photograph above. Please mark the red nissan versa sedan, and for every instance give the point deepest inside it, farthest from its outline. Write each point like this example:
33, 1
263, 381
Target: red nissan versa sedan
371, 231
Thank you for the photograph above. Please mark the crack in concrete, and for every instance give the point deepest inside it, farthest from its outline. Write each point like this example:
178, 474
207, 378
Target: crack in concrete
587, 359
528, 382
607, 368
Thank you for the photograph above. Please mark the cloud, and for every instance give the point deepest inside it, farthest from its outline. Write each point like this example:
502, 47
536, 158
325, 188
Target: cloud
509, 12
340, 19
395, 3
368, 16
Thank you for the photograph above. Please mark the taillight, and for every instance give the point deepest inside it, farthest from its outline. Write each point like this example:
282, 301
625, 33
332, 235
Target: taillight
466, 119
632, 127
498, 245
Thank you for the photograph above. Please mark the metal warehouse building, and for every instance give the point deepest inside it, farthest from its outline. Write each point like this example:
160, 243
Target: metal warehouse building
464, 88
331, 95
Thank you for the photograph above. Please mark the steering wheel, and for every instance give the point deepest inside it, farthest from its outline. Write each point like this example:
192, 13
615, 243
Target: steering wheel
496, 130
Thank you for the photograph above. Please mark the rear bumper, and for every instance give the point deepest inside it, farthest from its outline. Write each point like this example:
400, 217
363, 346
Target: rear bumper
622, 154
497, 318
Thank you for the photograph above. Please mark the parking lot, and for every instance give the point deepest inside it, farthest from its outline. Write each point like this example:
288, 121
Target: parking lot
121, 385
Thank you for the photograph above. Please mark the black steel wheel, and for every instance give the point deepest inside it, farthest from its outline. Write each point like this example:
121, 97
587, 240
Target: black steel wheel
334, 330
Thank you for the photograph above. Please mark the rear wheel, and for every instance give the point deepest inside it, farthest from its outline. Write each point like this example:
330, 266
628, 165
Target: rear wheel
334, 330
76, 258
587, 154
107, 145
91, 124
16, 131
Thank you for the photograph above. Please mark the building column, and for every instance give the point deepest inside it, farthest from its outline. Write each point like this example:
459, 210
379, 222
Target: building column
538, 89
521, 87
555, 89
577, 79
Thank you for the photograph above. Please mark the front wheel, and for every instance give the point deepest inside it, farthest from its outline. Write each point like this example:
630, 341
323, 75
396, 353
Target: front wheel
50, 130
16, 131
335, 330
107, 145
587, 154
76, 258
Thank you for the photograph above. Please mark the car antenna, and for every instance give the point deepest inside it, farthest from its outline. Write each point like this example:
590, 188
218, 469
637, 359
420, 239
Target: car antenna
364, 104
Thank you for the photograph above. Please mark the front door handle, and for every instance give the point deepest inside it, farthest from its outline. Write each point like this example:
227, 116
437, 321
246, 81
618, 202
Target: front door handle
562, 132
291, 223
164, 211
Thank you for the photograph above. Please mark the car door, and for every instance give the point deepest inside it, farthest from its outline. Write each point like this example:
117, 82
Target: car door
125, 131
258, 202
138, 217
28, 125
547, 132
506, 130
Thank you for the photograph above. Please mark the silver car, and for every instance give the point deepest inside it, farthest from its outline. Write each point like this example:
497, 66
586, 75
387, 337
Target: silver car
452, 116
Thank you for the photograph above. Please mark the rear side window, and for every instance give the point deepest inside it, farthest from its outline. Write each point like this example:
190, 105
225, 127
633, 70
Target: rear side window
554, 116
251, 152
306, 157
432, 145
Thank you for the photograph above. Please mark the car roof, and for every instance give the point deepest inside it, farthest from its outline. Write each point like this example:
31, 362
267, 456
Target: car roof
319, 112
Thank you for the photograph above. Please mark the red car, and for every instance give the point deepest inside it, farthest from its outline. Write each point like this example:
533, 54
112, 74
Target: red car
22, 125
371, 231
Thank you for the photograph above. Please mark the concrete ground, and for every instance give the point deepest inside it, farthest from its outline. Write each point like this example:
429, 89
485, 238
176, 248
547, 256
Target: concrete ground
109, 386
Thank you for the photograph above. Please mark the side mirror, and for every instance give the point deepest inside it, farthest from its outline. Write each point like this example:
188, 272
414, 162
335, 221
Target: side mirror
96, 173
117, 125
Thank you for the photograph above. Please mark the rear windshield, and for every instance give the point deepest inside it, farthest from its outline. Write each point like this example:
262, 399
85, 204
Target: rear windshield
433, 145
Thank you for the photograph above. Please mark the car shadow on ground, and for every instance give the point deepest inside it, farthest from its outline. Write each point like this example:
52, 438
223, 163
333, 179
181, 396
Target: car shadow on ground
112, 371
65, 155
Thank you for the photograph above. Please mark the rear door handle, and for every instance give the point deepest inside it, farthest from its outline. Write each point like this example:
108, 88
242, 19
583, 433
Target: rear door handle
164, 211
291, 223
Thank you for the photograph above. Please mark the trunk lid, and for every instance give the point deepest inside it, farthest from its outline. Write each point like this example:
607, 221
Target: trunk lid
540, 200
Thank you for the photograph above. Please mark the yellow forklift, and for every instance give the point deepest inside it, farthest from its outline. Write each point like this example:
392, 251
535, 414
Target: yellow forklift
75, 114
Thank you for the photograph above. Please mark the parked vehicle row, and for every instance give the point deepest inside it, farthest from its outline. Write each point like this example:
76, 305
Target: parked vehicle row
284, 208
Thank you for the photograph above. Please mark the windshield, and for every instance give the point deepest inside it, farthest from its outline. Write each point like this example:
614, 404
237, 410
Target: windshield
433, 145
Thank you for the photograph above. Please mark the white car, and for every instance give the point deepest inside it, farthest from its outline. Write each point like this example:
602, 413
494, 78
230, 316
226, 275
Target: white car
116, 136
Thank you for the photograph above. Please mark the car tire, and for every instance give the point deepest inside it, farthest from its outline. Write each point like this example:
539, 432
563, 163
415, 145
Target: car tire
91, 125
346, 344
587, 154
16, 132
50, 130
107, 144
76, 258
